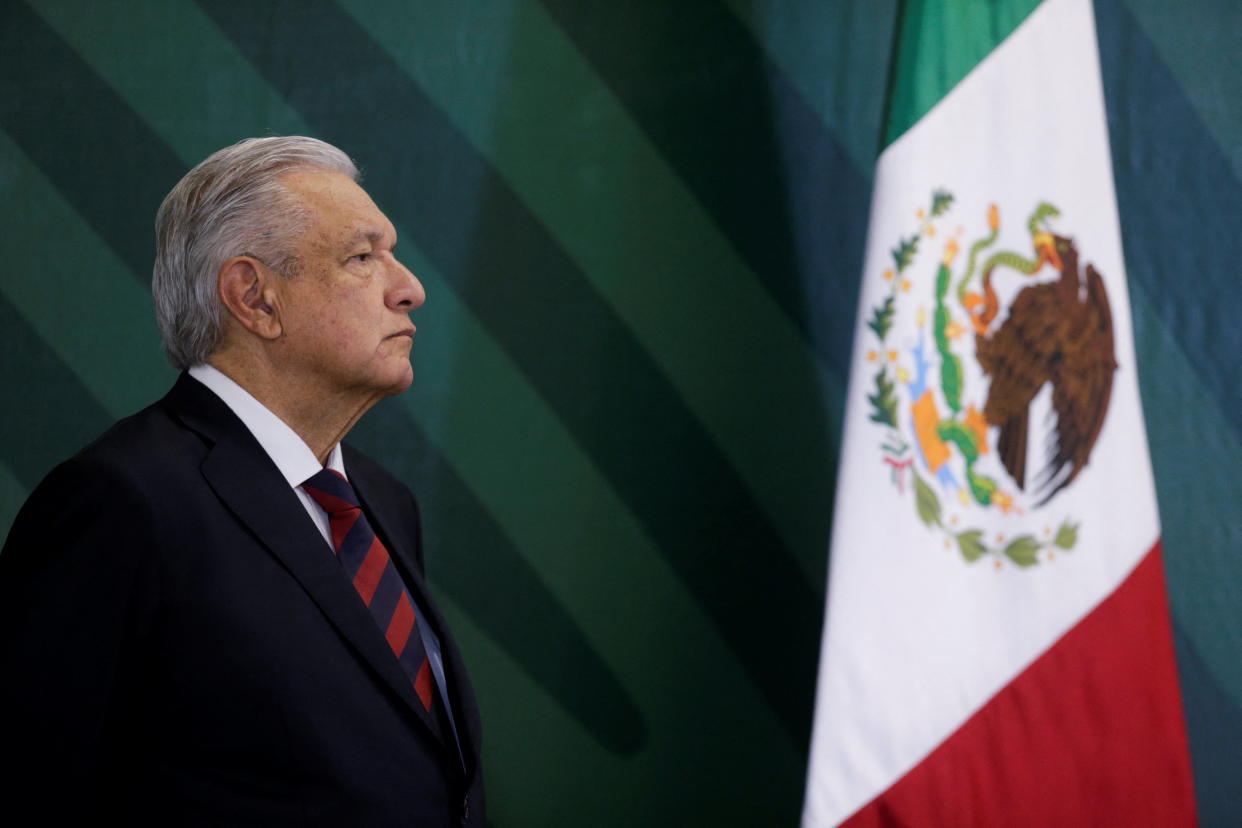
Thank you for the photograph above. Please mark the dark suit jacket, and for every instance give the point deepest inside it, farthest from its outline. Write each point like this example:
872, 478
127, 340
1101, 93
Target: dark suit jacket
180, 646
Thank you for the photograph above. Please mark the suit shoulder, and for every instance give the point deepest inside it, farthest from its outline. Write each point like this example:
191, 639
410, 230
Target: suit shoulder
97, 508
113, 457
136, 463
145, 437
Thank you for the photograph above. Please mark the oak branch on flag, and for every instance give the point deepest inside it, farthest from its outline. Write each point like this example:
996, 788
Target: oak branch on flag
997, 647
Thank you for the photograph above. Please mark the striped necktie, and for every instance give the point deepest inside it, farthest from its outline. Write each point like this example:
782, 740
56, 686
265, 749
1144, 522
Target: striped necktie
374, 575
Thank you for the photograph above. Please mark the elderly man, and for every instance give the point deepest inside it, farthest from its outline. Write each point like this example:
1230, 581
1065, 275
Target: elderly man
215, 614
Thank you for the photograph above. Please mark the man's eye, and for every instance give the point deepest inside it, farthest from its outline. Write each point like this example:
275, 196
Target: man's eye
361, 257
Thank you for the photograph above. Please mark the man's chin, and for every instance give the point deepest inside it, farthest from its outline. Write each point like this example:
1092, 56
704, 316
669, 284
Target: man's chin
401, 382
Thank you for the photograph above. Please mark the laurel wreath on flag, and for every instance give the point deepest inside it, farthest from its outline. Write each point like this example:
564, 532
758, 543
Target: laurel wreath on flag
964, 431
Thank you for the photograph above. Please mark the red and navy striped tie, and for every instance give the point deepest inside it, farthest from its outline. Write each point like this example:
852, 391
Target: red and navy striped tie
367, 563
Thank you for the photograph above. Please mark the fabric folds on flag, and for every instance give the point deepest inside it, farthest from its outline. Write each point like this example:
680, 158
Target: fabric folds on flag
997, 646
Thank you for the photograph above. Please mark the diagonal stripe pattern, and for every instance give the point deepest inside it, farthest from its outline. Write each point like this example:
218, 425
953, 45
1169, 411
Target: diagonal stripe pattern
369, 567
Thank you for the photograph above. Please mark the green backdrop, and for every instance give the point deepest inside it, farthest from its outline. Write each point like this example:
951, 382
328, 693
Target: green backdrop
640, 226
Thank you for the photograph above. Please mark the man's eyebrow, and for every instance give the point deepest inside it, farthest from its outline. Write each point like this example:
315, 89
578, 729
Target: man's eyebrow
359, 236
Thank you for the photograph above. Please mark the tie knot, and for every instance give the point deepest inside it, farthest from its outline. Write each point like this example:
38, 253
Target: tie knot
331, 491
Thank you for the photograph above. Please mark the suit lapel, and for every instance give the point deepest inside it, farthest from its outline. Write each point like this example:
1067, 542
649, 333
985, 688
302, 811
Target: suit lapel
249, 484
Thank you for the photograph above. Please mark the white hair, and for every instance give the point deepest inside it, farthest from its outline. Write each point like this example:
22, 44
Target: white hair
231, 204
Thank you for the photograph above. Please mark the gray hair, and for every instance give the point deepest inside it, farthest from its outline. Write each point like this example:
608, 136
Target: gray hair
231, 204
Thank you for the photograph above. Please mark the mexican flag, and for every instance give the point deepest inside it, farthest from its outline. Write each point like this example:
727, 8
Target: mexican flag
997, 647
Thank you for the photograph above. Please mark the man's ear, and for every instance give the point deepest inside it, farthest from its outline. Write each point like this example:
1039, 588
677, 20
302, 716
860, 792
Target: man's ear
247, 290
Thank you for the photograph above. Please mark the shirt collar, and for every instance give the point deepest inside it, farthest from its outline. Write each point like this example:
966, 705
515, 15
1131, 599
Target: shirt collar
295, 460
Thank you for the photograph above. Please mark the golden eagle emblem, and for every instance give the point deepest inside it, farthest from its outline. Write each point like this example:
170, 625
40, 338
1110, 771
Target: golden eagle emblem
1049, 347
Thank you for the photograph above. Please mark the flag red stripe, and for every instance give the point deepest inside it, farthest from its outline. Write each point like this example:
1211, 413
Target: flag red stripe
1091, 733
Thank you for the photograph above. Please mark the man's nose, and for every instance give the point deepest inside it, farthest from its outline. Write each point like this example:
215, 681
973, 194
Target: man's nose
405, 292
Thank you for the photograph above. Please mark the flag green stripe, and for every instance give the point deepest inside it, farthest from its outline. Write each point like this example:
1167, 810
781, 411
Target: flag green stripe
937, 44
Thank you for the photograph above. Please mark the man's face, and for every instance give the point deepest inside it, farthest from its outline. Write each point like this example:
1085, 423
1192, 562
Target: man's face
344, 324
